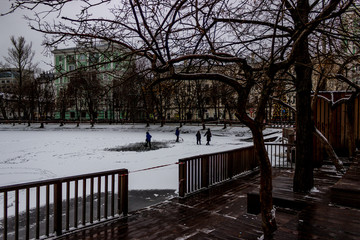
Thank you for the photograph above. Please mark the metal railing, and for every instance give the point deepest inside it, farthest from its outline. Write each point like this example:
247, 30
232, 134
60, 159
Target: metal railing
52, 207
281, 155
281, 124
203, 171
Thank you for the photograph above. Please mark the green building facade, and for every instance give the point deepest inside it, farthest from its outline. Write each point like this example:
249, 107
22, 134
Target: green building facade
101, 63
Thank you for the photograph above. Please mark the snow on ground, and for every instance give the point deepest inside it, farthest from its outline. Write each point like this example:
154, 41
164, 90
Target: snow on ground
31, 153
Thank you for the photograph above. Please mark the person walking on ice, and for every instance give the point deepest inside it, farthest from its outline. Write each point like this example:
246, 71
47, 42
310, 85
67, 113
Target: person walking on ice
208, 136
177, 133
148, 140
198, 138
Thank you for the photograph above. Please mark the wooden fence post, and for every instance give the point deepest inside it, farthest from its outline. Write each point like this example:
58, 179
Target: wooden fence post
5, 231
58, 208
124, 193
230, 165
182, 178
205, 171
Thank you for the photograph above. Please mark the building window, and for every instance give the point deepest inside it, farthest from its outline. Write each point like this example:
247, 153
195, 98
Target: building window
83, 57
94, 58
59, 67
5, 74
71, 67
70, 59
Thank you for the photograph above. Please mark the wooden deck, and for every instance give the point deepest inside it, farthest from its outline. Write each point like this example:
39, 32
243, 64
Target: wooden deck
221, 213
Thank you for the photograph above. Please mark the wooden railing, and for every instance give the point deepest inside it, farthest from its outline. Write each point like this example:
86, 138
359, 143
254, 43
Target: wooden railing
203, 171
200, 172
56, 206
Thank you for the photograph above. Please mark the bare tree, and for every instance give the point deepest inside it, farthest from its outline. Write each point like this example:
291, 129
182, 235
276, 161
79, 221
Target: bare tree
20, 56
88, 86
161, 95
46, 100
256, 42
4, 105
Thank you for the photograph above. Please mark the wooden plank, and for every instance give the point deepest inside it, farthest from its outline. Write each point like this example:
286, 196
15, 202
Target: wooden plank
5, 219
357, 119
221, 213
346, 191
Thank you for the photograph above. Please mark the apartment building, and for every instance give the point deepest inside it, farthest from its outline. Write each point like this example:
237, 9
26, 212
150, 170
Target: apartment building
84, 79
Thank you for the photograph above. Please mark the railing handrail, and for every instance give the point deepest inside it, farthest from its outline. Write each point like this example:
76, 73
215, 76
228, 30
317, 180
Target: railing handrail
202, 171
60, 179
216, 153
283, 144
198, 172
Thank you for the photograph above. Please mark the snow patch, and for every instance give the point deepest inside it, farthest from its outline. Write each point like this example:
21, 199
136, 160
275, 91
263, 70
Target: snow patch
273, 213
207, 231
314, 190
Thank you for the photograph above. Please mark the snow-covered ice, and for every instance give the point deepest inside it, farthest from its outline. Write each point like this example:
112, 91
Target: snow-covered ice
31, 153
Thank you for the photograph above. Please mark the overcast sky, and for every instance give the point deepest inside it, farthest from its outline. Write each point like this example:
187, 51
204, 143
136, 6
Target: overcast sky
16, 25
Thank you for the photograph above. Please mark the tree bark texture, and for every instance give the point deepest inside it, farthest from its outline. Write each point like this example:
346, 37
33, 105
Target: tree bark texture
303, 178
266, 200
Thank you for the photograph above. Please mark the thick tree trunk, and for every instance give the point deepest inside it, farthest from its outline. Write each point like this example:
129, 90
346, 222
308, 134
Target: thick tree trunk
266, 200
304, 177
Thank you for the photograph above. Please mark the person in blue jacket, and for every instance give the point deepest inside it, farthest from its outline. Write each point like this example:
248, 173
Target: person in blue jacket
177, 133
148, 140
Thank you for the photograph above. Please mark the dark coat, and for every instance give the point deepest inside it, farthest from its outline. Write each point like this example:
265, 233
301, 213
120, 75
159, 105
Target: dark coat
198, 135
208, 135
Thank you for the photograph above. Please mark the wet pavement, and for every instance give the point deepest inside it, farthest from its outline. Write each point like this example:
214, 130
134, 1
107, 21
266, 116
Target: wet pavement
221, 213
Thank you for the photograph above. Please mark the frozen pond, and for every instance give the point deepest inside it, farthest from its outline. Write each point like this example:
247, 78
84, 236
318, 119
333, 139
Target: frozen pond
31, 153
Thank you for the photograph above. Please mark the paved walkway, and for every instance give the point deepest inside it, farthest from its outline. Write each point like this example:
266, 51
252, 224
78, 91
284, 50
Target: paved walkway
221, 213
